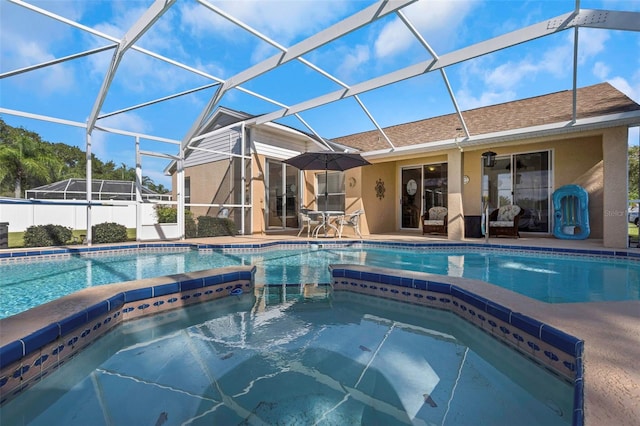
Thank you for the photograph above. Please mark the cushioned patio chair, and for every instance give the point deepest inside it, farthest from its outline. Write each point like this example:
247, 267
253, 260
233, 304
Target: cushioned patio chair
352, 220
308, 221
435, 221
504, 221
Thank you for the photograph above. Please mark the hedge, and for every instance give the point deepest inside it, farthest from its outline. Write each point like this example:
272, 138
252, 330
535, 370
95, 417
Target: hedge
47, 235
215, 226
108, 232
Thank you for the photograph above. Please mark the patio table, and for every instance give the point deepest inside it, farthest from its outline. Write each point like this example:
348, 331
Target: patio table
326, 216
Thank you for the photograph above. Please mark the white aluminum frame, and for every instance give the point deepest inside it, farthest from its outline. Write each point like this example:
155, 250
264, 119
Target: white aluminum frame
574, 19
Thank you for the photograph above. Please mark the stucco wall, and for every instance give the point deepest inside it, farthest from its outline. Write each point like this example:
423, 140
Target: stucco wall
574, 161
615, 150
381, 213
258, 194
210, 184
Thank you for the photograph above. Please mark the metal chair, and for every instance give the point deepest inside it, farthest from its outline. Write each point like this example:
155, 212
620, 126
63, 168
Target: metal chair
352, 220
307, 221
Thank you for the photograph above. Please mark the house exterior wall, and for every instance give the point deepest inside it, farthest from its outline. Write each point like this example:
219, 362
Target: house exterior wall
227, 141
381, 214
455, 212
575, 160
258, 171
281, 140
591, 159
210, 183
615, 149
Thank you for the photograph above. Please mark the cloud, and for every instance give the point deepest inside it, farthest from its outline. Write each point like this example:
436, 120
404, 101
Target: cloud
601, 70
590, 43
353, 59
102, 142
467, 101
435, 21
625, 87
629, 85
40, 44
500, 83
283, 21
139, 72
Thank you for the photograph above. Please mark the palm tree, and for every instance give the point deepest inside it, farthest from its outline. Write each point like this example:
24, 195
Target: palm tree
24, 160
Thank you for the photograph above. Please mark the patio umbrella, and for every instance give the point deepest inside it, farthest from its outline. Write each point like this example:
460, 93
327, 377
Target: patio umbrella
328, 160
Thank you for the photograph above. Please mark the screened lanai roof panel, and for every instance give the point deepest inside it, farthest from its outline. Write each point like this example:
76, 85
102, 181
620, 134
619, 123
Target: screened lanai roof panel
205, 47
101, 190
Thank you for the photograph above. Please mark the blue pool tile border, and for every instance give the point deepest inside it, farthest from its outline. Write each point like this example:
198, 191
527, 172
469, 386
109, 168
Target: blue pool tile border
48, 251
15, 351
548, 334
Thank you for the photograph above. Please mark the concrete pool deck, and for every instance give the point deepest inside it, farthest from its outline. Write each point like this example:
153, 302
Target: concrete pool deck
610, 330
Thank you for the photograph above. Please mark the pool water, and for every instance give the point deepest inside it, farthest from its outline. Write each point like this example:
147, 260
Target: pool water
549, 278
288, 355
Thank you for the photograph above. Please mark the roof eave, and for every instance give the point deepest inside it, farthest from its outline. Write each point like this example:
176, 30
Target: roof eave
631, 118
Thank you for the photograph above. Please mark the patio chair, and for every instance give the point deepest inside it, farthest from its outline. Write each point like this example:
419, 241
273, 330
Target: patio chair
435, 221
308, 221
504, 221
352, 220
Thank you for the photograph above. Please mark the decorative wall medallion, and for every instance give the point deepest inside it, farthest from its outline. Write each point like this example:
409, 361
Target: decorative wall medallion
380, 189
412, 187
352, 182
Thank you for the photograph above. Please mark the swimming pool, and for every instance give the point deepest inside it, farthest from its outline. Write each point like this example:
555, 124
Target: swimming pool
547, 277
334, 358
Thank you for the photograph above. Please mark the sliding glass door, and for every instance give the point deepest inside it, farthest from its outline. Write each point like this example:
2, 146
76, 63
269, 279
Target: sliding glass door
411, 197
532, 191
282, 195
423, 187
524, 180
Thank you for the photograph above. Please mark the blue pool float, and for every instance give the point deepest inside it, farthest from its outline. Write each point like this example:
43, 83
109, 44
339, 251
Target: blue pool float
571, 213
236, 291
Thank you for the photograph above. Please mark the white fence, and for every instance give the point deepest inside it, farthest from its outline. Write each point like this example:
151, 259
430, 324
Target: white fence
21, 216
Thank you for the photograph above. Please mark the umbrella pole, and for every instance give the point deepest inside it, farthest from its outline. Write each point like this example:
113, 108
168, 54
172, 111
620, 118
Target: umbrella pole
326, 191
325, 218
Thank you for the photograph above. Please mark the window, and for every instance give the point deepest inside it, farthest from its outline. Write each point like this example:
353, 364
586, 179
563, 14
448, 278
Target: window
334, 186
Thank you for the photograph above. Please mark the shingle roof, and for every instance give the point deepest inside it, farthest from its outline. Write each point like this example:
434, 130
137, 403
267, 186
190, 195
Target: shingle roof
592, 101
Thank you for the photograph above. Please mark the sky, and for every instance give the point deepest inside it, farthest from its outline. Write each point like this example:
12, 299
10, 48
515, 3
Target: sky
194, 35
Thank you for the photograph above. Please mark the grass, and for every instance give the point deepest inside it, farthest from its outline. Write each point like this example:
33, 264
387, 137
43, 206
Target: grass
16, 238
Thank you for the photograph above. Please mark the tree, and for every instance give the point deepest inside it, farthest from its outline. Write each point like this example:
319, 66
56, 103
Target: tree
73, 161
24, 160
634, 166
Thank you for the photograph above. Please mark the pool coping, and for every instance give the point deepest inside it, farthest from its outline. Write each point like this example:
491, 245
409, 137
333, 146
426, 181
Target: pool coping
39, 253
39, 340
610, 330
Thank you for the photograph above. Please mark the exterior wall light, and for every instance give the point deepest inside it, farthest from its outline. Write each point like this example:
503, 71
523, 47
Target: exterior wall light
489, 158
